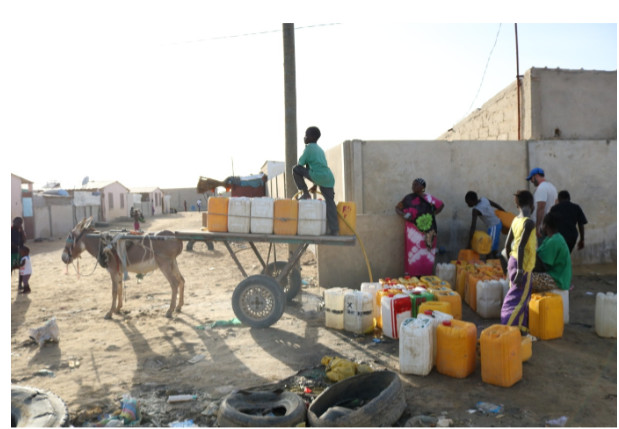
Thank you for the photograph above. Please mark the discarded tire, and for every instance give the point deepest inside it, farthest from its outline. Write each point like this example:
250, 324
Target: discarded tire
364, 400
32, 407
261, 408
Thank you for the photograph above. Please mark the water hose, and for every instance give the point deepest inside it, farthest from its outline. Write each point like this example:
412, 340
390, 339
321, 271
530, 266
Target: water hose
365, 255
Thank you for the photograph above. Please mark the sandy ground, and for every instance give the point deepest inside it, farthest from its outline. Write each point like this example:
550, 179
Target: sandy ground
148, 356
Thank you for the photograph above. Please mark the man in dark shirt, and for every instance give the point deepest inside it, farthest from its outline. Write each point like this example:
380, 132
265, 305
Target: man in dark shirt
570, 216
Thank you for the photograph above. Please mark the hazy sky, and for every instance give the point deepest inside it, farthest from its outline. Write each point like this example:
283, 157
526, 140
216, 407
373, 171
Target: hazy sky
159, 95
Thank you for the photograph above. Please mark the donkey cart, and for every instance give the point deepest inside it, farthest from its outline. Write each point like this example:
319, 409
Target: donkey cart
259, 300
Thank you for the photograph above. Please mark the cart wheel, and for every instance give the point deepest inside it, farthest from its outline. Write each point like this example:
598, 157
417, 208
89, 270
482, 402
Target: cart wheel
291, 283
192, 243
258, 301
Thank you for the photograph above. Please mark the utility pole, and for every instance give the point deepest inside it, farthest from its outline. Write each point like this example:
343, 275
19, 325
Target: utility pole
290, 102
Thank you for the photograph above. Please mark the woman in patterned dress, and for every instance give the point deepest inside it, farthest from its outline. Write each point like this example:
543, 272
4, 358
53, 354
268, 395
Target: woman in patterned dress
419, 210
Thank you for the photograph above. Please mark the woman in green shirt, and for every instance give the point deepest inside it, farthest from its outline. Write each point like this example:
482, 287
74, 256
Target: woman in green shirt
554, 266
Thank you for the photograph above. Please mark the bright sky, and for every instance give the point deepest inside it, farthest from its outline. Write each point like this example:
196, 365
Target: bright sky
161, 95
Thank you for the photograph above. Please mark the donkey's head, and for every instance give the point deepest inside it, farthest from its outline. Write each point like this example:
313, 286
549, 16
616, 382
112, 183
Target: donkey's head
75, 245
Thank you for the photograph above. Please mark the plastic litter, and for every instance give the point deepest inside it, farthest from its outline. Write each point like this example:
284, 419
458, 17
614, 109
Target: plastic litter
130, 412
47, 332
181, 398
184, 424
561, 421
231, 322
45, 373
488, 407
337, 369
196, 358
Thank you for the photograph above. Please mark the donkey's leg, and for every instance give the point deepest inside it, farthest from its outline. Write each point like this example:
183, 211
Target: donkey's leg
115, 293
166, 267
180, 281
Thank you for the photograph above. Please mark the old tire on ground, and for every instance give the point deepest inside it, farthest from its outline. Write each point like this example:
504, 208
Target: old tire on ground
32, 407
364, 400
261, 409
291, 283
258, 301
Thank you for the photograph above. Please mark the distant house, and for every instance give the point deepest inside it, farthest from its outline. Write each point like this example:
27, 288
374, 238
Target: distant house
21, 202
150, 200
113, 198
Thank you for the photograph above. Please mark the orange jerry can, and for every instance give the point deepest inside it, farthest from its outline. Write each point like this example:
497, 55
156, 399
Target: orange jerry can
285, 217
456, 343
217, 220
546, 315
454, 299
501, 358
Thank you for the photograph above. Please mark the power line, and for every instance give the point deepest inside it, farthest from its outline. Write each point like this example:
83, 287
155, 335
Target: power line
485, 69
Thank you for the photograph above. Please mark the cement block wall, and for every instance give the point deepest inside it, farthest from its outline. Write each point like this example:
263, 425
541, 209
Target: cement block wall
377, 174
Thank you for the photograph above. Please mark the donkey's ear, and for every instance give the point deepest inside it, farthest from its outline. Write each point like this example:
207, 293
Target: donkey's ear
87, 222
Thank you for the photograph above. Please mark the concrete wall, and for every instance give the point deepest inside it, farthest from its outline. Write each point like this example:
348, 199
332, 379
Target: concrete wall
376, 175
53, 216
178, 196
16, 202
555, 104
118, 209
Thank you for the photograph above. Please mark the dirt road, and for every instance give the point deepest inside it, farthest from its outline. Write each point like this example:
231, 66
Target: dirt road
143, 354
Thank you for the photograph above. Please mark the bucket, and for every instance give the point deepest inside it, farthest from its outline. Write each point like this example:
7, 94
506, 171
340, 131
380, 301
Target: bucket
334, 307
447, 271
442, 306
526, 348
348, 211
261, 221
455, 354
358, 312
606, 314
217, 214
239, 212
546, 316
285, 217
489, 299
436, 317
481, 242
372, 289
454, 299
312, 217
501, 360
394, 310
565, 296
416, 346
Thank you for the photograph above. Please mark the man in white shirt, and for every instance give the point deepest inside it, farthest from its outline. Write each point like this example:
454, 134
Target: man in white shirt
545, 197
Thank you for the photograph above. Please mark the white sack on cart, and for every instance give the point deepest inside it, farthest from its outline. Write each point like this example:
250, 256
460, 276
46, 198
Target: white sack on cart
47, 332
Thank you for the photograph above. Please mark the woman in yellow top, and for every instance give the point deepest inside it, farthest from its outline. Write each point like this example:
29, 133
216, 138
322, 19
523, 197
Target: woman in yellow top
520, 247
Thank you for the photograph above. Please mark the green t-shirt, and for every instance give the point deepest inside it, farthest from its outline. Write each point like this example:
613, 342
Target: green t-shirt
314, 157
556, 255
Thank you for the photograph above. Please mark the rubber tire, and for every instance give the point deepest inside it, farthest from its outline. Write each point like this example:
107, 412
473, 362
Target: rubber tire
265, 295
191, 243
32, 407
382, 389
232, 407
291, 283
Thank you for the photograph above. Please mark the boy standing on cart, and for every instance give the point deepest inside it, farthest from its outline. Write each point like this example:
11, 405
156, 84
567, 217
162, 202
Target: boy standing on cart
313, 166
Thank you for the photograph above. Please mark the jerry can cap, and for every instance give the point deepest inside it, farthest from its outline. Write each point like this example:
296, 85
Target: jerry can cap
428, 312
446, 322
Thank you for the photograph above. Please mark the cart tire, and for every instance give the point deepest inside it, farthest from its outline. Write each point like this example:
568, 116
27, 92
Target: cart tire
261, 409
32, 407
258, 301
191, 243
291, 283
381, 395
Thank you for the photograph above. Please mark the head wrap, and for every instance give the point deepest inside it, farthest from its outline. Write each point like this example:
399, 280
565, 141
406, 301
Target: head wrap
420, 181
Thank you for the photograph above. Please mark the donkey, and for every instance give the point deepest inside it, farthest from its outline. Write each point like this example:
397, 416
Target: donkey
140, 255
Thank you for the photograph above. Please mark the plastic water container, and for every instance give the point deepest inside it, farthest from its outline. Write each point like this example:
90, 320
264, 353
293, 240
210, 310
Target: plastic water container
358, 312
481, 242
468, 255
472, 279
416, 345
378, 302
436, 317
501, 360
447, 271
442, 306
565, 296
456, 342
261, 221
606, 314
417, 297
526, 348
217, 214
334, 307
348, 211
454, 299
285, 217
372, 289
312, 217
546, 316
395, 309
205, 219
239, 212
489, 299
